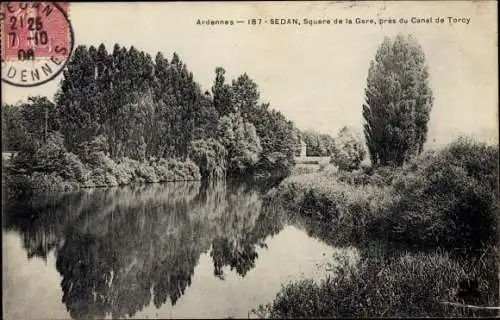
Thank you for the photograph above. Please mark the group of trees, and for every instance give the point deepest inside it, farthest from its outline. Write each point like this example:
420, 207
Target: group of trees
27, 122
318, 144
346, 150
127, 104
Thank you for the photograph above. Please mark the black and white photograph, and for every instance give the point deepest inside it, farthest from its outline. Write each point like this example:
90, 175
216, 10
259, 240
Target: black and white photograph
237, 160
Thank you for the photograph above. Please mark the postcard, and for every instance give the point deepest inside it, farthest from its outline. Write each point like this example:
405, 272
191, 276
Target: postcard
250, 159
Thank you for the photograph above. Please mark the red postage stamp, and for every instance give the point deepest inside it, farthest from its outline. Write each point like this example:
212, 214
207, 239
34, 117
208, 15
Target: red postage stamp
37, 40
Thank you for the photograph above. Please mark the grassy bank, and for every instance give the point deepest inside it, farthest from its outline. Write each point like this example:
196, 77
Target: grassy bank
440, 210
406, 285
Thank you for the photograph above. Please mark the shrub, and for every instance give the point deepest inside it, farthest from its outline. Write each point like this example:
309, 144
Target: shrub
204, 154
125, 171
47, 166
97, 178
51, 182
303, 169
66, 171
406, 285
350, 211
46, 157
73, 169
276, 164
147, 173
100, 160
443, 199
449, 198
193, 171
162, 172
381, 176
17, 185
349, 150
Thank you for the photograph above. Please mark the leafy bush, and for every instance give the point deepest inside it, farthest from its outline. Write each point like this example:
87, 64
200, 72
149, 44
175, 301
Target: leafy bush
175, 170
449, 198
97, 178
100, 160
210, 156
147, 173
124, 171
46, 157
73, 169
51, 182
192, 171
349, 150
276, 164
381, 176
66, 171
46, 167
102, 168
16, 185
303, 169
406, 285
240, 139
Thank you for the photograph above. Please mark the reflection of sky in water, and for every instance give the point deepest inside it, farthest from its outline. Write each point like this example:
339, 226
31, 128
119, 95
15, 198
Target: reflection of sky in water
150, 250
31, 288
290, 255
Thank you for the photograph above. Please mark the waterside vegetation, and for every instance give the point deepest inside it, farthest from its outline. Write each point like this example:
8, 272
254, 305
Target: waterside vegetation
426, 222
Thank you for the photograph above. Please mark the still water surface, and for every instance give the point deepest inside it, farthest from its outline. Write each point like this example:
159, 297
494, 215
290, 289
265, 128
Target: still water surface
155, 251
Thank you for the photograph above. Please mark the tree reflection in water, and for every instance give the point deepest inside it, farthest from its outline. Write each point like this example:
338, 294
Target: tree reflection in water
119, 249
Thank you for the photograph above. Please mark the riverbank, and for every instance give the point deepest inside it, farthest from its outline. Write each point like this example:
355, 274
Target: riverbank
68, 173
440, 210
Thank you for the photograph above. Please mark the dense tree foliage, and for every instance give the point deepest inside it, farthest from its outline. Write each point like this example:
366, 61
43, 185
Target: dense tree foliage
110, 94
318, 144
28, 124
398, 102
241, 142
278, 138
126, 104
210, 156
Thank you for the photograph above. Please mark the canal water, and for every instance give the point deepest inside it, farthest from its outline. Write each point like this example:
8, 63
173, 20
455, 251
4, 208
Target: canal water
174, 250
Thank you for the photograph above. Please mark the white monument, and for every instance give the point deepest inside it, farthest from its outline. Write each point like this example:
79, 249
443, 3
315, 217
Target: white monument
303, 148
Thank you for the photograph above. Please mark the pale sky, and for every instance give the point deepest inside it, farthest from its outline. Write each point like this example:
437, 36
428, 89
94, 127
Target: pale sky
315, 75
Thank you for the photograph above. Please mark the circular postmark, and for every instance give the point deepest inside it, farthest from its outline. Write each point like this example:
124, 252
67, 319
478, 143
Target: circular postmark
37, 41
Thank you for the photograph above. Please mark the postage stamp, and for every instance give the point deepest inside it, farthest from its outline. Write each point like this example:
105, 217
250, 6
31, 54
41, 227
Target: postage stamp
37, 40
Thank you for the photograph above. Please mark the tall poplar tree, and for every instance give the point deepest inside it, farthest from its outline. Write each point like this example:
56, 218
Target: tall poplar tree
222, 93
77, 98
398, 102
